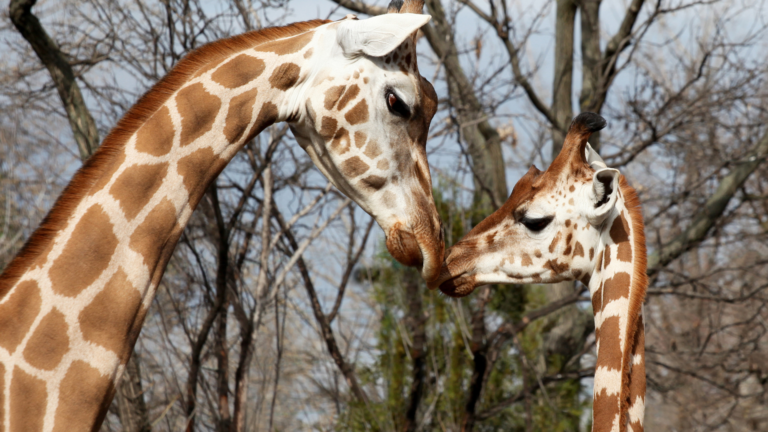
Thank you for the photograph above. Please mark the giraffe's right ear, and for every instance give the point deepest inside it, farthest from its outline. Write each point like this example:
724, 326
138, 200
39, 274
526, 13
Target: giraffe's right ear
379, 35
605, 191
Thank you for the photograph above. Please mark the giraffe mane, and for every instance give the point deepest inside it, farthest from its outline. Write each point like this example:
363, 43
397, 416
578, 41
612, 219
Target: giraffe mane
115, 141
637, 289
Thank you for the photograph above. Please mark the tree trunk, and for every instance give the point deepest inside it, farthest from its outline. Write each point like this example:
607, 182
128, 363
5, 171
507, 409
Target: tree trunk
481, 139
80, 120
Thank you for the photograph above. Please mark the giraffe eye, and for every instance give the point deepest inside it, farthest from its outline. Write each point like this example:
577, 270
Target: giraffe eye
397, 106
537, 224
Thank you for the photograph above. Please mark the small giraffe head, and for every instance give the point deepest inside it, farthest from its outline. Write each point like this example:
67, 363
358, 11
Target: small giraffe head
364, 119
549, 229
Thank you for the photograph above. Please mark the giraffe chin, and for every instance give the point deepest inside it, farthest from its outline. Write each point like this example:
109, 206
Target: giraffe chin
458, 286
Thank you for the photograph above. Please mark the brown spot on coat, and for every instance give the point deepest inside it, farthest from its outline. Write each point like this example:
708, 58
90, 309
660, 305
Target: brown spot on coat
239, 115
86, 254
605, 410
619, 230
332, 95
197, 170
83, 395
151, 237
578, 250
155, 137
526, 260
358, 114
285, 76
389, 199
49, 342
624, 252
354, 167
568, 223
309, 53
349, 96
567, 251
609, 352
597, 300
616, 287
556, 266
136, 186
239, 71
555, 240
537, 253
383, 165
599, 261
267, 116
288, 45
374, 182
18, 313
360, 139
572, 188
198, 110
328, 128
607, 256
591, 253
110, 169
372, 150
28, 398
107, 320
340, 143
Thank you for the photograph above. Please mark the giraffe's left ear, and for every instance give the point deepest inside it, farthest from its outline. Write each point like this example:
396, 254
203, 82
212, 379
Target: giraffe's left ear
605, 190
379, 35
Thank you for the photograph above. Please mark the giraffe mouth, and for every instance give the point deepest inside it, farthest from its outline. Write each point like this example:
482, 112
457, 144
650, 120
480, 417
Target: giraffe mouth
454, 280
458, 286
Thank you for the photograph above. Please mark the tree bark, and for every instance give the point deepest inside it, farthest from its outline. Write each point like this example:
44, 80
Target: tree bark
482, 140
80, 120
591, 60
415, 323
562, 87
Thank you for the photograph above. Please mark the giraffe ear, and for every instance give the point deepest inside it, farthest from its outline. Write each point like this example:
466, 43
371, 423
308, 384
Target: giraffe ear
605, 190
379, 35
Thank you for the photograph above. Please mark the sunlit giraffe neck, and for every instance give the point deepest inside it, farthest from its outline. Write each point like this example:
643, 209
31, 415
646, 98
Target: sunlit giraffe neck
73, 302
579, 220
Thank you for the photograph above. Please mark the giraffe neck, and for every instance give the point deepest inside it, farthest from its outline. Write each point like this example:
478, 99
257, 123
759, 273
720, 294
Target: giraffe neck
72, 304
617, 288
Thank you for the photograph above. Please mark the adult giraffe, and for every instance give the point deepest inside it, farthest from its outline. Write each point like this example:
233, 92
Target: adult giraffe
578, 220
73, 301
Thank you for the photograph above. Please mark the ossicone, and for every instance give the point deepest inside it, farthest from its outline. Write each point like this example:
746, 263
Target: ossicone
587, 122
405, 6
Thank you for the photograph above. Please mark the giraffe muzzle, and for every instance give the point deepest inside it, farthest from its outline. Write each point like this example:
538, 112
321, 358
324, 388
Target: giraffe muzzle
453, 280
414, 250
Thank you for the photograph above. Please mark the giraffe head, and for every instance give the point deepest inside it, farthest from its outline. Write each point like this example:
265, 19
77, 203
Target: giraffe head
578, 220
550, 227
364, 117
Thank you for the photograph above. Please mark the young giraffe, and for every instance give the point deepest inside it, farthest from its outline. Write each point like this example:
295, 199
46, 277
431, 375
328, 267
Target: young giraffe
578, 220
72, 303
